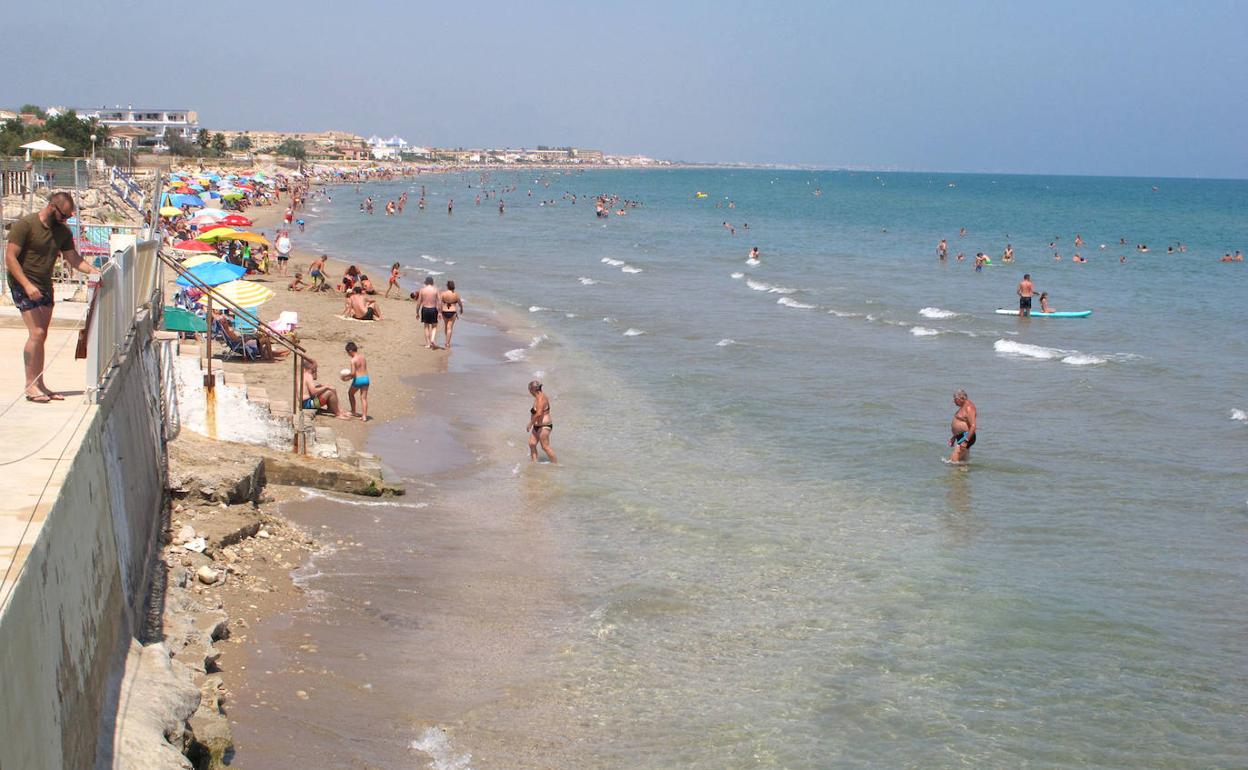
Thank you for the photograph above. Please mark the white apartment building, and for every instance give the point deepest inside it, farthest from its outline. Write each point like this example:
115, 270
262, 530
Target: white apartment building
160, 123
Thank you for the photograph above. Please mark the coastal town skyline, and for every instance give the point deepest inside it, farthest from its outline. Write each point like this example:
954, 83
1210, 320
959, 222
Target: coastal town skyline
1105, 89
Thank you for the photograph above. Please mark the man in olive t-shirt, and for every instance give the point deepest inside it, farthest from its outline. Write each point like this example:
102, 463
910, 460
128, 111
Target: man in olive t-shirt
35, 241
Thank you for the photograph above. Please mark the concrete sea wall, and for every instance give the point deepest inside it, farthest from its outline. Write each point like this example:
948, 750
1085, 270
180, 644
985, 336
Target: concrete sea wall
80, 598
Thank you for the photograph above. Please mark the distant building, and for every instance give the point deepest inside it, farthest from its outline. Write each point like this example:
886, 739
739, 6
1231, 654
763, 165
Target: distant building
159, 123
329, 145
387, 148
7, 115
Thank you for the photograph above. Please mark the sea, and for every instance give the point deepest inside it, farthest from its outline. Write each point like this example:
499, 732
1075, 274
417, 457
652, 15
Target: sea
752, 552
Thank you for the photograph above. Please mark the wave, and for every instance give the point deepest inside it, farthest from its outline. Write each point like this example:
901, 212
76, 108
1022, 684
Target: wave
587, 281
923, 331
767, 287
537, 308
753, 262
434, 272
611, 262
937, 313
516, 354
1239, 414
310, 494
630, 269
428, 258
726, 342
1071, 357
633, 332
448, 262
737, 276
790, 302
436, 744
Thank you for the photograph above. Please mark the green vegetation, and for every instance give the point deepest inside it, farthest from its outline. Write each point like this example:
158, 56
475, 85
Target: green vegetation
292, 148
66, 129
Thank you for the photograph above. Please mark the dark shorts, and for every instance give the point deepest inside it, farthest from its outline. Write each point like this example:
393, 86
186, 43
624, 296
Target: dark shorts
970, 443
1024, 303
368, 314
429, 315
24, 303
283, 257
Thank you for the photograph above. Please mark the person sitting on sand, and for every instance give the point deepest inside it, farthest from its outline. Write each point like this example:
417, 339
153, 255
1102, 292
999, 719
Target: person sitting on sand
360, 308
317, 395
366, 284
1044, 303
358, 375
349, 279
394, 280
297, 284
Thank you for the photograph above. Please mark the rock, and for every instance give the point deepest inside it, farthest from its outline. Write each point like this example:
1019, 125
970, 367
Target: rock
155, 698
207, 575
185, 534
301, 694
263, 534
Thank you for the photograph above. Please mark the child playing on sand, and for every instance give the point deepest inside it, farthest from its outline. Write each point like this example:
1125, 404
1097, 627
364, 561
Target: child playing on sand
394, 280
297, 284
359, 380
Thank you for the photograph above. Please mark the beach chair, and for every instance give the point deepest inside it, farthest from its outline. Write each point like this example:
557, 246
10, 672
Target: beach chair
243, 325
237, 347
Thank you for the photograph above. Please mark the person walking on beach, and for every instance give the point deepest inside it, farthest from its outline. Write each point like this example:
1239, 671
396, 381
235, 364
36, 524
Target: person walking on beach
35, 241
540, 425
394, 280
452, 308
359, 381
1024, 291
428, 299
283, 251
963, 427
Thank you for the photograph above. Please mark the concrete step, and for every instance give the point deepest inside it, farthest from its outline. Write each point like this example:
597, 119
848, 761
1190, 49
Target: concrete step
235, 379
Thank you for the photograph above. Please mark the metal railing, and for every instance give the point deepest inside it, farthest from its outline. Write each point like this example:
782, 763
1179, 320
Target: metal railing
129, 285
297, 352
127, 189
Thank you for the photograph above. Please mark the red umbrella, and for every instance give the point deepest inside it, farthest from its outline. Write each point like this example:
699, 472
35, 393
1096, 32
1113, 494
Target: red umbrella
193, 246
183, 190
235, 220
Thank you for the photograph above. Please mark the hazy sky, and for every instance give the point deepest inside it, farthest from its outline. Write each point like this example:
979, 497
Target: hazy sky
1139, 88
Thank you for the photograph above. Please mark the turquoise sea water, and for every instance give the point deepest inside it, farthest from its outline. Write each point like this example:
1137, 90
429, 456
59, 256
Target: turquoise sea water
765, 562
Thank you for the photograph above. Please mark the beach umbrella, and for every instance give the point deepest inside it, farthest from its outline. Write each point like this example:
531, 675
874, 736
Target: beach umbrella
170, 211
236, 220
232, 195
216, 196
199, 259
241, 293
192, 246
255, 238
43, 145
182, 190
211, 213
216, 234
184, 200
212, 273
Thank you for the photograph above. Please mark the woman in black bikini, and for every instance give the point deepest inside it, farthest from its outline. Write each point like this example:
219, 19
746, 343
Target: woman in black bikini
452, 306
539, 423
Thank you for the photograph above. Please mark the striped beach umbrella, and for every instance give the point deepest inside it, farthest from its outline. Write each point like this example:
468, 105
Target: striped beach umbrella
192, 246
241, 293
199, 259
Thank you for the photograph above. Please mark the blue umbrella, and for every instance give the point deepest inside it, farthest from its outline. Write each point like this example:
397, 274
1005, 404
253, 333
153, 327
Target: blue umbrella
181, 200
213, 273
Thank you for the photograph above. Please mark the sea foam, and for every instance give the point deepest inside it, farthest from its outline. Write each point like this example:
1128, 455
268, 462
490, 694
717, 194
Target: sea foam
630, 269
790, 302
737, 276
436, 744
726, 342
612, 262
923, 331
767, 287
633, 333
937, 313
586, 281
1071, 357
1239, 414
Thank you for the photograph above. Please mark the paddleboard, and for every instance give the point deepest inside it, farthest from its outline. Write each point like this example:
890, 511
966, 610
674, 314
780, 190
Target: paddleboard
1055, 314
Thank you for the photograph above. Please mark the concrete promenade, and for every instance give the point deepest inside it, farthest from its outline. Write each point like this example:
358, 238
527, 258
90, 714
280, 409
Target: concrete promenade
38, 442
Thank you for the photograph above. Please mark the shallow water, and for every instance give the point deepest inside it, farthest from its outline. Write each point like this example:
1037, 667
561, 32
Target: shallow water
753, 554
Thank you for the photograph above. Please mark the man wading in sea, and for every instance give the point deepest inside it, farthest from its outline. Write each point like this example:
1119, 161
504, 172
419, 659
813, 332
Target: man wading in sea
1025, 290
963, 428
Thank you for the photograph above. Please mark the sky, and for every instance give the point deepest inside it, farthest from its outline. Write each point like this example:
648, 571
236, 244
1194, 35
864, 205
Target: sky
1138, 88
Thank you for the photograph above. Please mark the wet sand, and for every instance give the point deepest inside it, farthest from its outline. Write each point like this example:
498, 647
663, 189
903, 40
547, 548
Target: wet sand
421, 610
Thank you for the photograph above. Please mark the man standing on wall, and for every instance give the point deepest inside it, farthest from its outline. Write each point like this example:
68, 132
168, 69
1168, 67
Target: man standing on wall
35, 241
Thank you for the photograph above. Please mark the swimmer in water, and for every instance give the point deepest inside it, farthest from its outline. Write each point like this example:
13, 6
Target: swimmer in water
754, 254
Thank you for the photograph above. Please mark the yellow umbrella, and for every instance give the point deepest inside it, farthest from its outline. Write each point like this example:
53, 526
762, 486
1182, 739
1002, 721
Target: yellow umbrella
216, 234
256, 238
170, 211
199, 259
242, 293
